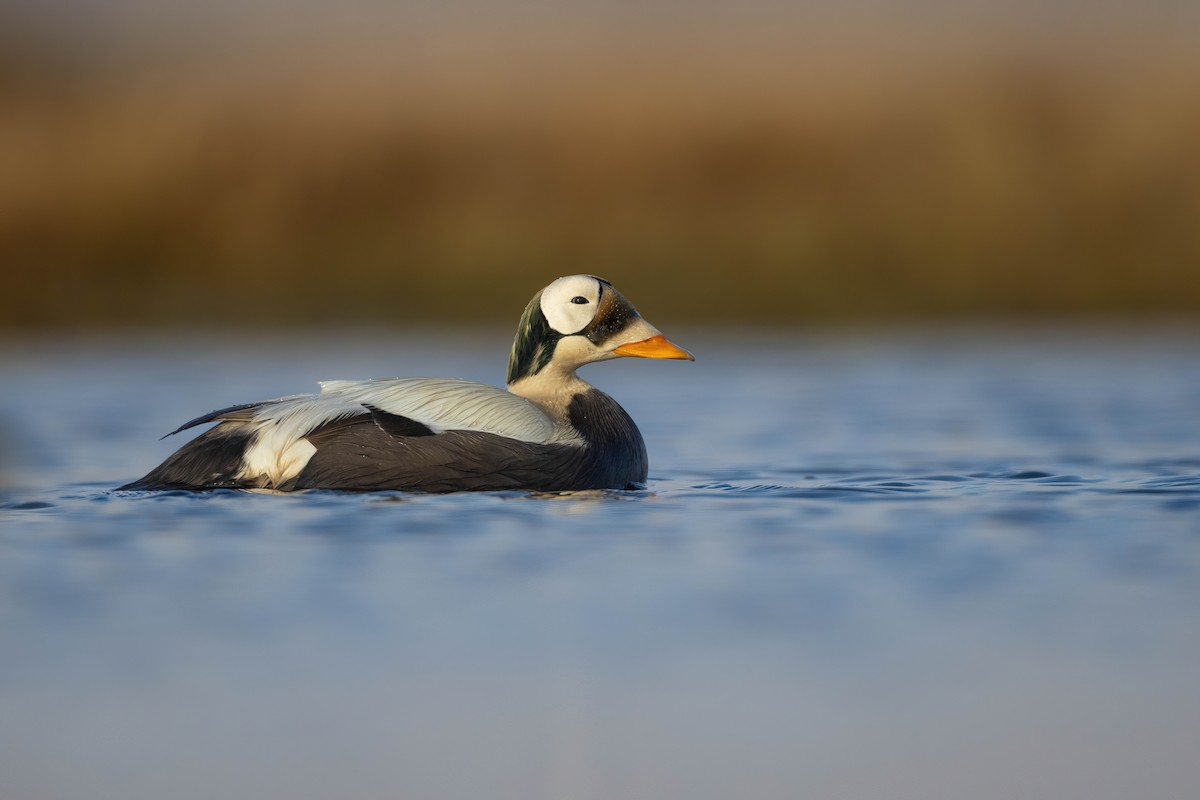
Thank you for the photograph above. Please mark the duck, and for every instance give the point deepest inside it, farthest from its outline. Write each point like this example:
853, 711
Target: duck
547, 431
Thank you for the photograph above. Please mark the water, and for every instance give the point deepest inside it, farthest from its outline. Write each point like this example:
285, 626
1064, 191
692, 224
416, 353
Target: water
943, 564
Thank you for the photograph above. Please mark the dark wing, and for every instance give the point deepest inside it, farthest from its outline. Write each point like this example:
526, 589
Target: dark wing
210, 461
391, 424
245, 411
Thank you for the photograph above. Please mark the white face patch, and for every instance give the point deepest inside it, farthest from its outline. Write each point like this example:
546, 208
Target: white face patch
570, 303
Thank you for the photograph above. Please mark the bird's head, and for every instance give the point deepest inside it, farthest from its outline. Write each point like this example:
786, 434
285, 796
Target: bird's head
580, 319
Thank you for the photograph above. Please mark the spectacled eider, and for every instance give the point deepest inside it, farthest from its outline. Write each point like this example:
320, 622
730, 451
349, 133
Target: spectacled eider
551, 431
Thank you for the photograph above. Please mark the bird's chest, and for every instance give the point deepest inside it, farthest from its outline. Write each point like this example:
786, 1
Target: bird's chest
616, 452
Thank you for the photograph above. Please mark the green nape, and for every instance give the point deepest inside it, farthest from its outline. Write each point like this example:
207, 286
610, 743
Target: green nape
534, 343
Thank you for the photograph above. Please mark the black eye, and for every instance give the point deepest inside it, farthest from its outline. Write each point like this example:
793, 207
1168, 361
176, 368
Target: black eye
579, 301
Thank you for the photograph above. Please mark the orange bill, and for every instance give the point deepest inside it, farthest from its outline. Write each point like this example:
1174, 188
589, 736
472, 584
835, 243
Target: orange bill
654, 347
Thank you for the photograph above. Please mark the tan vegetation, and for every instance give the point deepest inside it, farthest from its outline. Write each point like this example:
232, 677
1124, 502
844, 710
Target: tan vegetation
790, 185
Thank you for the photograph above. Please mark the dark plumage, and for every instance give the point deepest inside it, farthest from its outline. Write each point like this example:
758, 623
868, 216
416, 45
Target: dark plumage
209, 461
359, 454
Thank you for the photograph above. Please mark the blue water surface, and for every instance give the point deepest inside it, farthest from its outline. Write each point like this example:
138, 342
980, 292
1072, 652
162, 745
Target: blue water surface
896, 563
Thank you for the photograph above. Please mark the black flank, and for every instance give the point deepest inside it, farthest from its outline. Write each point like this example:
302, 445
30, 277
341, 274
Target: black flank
365, 458
358, 454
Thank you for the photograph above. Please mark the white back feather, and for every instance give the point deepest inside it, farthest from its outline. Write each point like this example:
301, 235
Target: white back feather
444, 404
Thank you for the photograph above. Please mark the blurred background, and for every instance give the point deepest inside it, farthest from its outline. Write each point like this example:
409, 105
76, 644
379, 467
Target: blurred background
165, 163
921, 519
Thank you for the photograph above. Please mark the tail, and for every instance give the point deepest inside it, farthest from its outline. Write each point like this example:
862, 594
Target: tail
213, 460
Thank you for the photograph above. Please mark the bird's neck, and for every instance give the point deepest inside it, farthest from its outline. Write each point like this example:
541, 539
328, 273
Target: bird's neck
551, 388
